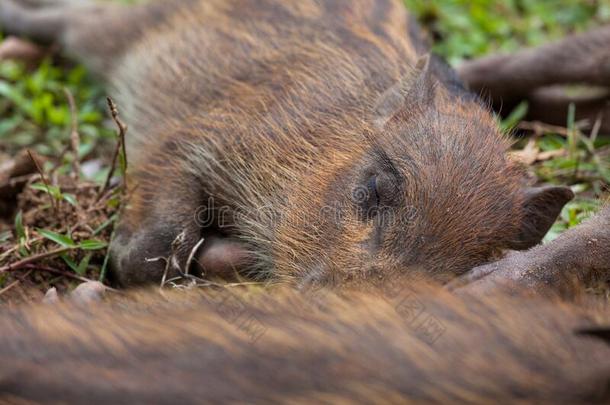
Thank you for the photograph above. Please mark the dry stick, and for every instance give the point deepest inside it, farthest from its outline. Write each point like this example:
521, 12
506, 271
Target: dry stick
121, 126
48, 269
44, 180
31, 259
171, 260
539, 128
189, 261
74, 136
8, 287
115, 155
14, 283
119, 146
14, 248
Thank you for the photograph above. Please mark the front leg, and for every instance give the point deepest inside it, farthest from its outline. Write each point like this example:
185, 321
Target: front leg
158, 230
578, 255
170, 225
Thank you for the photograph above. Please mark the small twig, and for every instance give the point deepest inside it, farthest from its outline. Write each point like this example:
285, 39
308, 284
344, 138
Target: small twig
64, 274
8, 287
202, 283
15, 283
9, 251
34, 258
172, 261
44, 180
194, 250
104, 268
115, 155
120, 147
120, 125
74, 136
207, 283
165, 271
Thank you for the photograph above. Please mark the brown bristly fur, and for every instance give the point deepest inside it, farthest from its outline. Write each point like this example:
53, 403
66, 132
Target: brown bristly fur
270, 116
248, 346
280, 113
273, 120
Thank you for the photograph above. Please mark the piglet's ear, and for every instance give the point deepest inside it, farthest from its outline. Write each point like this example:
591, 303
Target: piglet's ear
541, 207
414, 88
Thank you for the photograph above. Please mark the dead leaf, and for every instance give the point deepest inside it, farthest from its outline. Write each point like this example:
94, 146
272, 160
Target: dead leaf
527, 155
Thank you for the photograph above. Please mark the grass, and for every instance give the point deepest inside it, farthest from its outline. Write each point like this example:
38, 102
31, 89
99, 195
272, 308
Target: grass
35, 114
468, 28
62, 212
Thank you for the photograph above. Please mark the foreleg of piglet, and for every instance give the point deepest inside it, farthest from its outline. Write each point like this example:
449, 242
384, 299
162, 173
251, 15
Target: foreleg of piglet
578, 255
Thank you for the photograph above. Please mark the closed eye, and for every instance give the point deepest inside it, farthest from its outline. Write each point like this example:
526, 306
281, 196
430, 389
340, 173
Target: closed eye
373, 191
382, 158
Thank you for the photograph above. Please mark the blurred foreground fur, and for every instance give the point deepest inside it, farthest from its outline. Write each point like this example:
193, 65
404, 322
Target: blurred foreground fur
404, 342
295, 112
